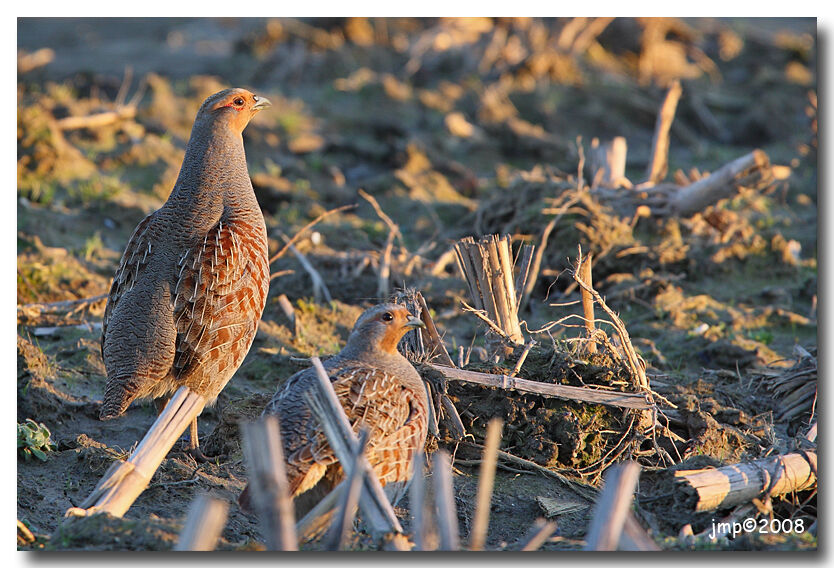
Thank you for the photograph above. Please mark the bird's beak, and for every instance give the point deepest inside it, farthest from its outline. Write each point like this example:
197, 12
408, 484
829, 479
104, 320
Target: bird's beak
413, 321
261, 103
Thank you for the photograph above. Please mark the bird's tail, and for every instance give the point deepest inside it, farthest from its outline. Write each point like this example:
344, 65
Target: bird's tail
118, 394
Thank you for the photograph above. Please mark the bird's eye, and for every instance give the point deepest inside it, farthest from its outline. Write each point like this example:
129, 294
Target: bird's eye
387, 316
238, 101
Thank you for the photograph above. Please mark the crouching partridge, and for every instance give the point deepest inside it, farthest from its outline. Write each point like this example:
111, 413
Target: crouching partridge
378, 388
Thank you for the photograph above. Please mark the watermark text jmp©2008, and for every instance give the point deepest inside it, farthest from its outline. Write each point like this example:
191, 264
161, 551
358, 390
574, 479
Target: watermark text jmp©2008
762, 526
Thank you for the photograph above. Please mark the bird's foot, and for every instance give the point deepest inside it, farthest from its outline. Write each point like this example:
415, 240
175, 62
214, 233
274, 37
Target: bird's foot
197, 454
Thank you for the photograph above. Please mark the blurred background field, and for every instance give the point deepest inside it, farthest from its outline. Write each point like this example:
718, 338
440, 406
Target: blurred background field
452, 128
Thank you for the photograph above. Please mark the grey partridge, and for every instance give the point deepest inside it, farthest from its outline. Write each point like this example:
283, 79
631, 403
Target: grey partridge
378, 388
192, 283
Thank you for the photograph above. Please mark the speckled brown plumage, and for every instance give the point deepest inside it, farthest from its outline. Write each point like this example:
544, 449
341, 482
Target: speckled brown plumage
378, 388
191, 286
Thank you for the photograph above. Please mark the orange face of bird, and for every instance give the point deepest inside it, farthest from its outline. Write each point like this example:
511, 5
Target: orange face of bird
397, 323
238, 106
386, 325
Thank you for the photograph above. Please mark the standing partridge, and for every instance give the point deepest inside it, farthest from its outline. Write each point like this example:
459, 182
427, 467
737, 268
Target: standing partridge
378, 388
192, 283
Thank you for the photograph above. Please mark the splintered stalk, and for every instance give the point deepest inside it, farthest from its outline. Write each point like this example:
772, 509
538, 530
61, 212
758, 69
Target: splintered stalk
416, 497
539, 534
488, 271
339, 530
126, 480
588, 300
264, 455
485, 484
206, 518
447, 518
613, 507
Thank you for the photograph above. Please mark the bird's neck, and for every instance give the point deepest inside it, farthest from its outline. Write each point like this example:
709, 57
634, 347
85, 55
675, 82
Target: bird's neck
214, 178
361, 350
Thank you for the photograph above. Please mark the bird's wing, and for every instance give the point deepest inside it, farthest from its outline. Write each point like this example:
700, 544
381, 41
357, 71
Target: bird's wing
219, 297
393, 414
134, 260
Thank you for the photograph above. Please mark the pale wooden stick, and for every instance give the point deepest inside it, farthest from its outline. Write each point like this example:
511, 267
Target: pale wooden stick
523, 272
587, 300
503, 284
97, 120
263, 450
811, 435
535, 267
289, 311
316, 520
385, 258
608, 162
589, 34
486, 479
319, 287
447, 518
307, 227
482, 315
612, 507
659, 164
635, 538
24, 535
467, 272
280, 273
205, 522
65, 305
719, 184
126, 480
45, 331
29, 61
349, 500
634, 362
416, 498
380, 213
522, 357
455, 424
504, 248
637, 401
443, 261
431, 330
539, 534
480, 262
383, 287
570, 31
741, 483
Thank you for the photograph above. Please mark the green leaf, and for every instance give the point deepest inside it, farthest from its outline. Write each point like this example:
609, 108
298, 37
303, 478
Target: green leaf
38, 454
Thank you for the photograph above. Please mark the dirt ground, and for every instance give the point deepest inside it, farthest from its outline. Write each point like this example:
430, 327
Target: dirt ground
457, 128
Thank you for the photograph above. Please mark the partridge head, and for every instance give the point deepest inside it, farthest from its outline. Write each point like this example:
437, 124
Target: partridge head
230, 108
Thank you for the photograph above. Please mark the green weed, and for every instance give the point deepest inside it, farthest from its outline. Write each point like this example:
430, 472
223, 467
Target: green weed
33, 439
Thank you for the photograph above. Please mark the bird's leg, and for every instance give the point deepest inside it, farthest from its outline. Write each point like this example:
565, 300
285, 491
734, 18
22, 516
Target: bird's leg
193, 447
